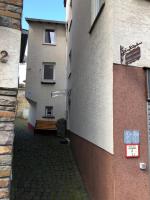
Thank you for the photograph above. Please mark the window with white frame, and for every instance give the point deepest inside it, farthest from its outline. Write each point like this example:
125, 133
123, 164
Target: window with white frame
49, 111
50, 36
96, 6
48, 73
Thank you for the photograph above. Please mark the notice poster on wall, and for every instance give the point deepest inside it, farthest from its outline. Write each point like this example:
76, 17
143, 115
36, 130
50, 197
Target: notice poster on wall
131, 136
132, 151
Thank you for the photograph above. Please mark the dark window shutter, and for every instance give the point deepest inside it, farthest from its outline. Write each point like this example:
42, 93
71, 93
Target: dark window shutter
47, 36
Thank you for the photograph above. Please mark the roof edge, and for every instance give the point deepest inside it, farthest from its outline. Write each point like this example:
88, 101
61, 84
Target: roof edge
45, 21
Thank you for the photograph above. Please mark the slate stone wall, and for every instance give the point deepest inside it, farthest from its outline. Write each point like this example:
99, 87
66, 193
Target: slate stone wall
10, 13
10, 19
7, 117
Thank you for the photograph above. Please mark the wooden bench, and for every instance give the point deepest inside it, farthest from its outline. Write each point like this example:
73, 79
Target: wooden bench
42, 125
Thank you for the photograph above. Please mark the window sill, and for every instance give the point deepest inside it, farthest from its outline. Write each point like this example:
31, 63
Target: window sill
49, 44
45, 117
51, 83
96, 18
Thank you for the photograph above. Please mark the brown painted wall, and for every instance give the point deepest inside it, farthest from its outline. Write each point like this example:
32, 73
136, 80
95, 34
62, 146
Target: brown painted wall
96, 168
115, 177
130, 112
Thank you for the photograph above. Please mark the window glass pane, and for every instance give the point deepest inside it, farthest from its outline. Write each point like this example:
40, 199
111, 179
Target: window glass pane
52, 36
48, 111
48, 72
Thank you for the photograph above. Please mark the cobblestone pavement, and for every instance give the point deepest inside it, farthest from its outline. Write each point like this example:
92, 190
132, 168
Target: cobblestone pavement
44, 169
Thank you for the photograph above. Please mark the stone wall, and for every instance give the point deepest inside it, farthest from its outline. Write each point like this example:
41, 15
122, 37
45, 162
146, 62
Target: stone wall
10, 13
10, 26
7, 117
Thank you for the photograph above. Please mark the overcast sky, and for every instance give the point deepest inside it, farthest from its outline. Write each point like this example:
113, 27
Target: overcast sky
43, 9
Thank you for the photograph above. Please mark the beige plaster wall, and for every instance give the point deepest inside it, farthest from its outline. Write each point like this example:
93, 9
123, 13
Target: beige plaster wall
38, 52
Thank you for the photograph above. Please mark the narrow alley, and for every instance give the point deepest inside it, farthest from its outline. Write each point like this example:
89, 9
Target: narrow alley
43, 168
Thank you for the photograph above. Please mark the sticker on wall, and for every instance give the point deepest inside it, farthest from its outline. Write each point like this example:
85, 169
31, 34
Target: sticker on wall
132, 151
131, 137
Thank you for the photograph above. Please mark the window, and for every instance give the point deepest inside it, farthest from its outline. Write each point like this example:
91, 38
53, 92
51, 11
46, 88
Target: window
70, 3
48, 73
96, 6
70, 25
69, 99
70, 56
50, 36
49, 111
69, 65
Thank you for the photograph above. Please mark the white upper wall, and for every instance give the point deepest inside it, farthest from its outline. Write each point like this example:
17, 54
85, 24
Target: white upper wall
91, 115
121, 23
38, 52
68, 10
131, 24
10, 38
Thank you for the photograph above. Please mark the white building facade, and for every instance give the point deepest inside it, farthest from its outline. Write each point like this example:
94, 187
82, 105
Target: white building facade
46, 70
107, 97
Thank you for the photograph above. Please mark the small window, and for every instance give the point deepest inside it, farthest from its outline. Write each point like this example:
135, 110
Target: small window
70, 25
49, 111
70, 3
48, 73
69, 99
50, 36
96, 6
70, 56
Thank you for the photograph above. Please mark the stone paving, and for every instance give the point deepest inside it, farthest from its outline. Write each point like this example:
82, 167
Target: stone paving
44, 169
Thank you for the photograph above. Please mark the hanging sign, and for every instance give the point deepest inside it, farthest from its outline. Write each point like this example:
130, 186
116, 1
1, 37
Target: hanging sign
130, 54
132, 151
133, 56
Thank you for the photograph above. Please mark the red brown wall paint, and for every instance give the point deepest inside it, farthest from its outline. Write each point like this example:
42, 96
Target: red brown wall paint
96, 168
130, 112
